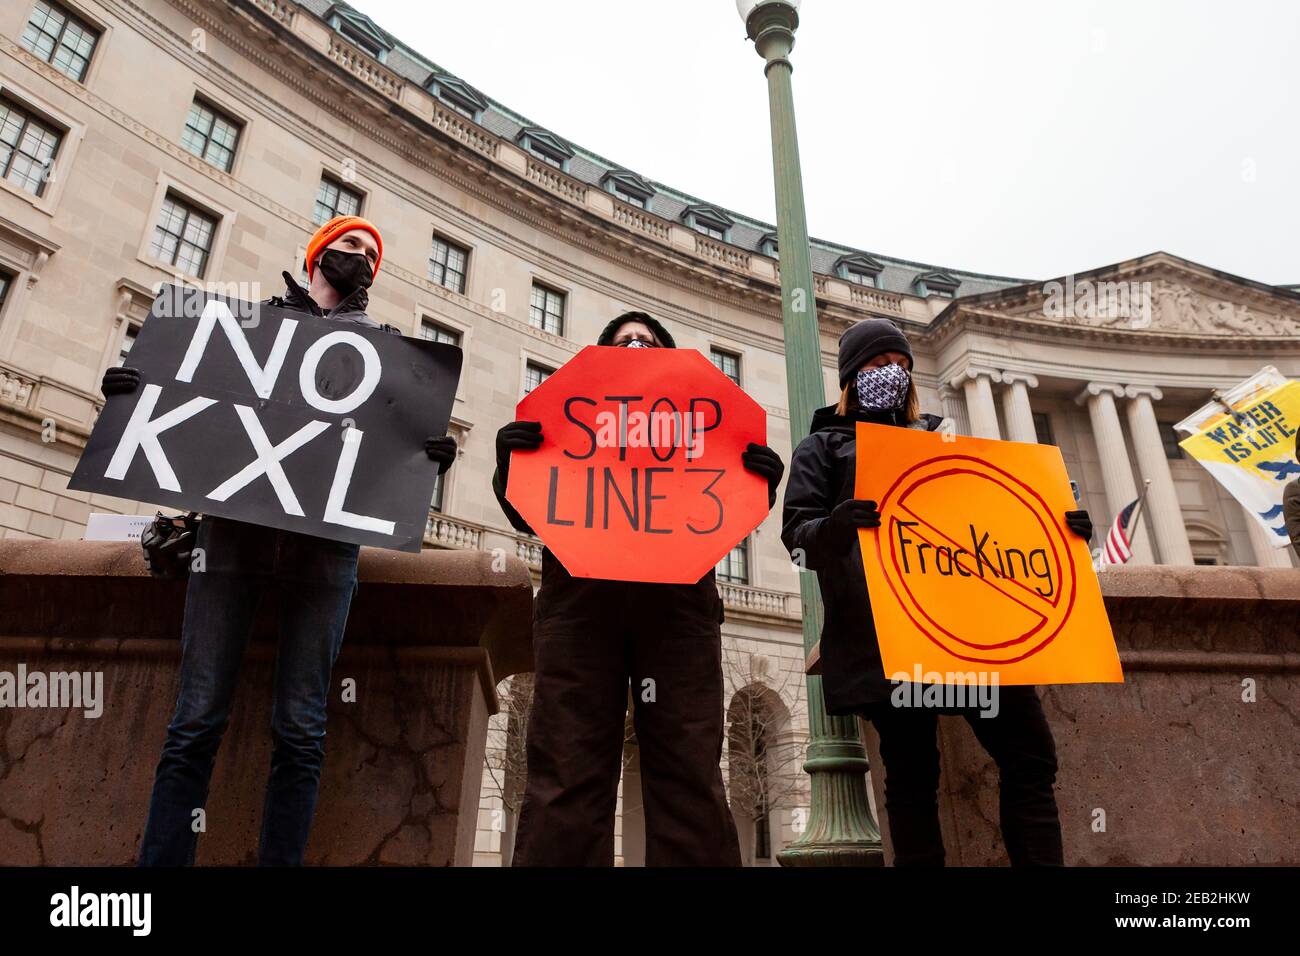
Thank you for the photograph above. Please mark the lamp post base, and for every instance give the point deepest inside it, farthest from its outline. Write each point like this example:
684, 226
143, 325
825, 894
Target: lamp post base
837, 853
841, 830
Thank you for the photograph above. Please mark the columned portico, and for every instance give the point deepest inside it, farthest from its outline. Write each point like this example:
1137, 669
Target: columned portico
1116, 471
1016, 411
1162, 499
980, 408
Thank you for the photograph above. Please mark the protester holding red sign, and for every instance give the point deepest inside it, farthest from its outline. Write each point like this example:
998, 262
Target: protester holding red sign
593, 636
820, 529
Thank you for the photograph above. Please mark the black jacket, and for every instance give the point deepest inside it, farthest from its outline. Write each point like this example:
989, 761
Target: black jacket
351, 309
822, 473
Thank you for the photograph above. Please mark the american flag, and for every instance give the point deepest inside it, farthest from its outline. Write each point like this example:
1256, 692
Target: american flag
1116, 549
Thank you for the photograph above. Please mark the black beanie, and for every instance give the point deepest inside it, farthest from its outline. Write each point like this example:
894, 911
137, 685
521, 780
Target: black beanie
607, 334
863, 341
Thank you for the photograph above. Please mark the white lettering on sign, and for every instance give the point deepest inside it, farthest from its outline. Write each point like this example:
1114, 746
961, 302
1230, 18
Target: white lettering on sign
334, 512
369, 379
261, 377
141, 433
268, 460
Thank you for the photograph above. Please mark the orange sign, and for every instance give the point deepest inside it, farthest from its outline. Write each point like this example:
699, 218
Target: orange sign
639, 476
973, 569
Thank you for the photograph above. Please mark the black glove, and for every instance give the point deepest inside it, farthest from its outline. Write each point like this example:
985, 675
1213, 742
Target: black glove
763, 461
442, 450
516, 435
1079, 523
847, 517
168, 545
120, 380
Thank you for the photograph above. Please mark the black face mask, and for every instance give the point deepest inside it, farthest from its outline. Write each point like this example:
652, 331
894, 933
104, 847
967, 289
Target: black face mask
346, 271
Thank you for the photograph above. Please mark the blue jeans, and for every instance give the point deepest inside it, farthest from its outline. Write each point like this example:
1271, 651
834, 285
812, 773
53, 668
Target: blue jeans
312, 580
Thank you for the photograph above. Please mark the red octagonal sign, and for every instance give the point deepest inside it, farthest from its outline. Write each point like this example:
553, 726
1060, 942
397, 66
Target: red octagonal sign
639, 477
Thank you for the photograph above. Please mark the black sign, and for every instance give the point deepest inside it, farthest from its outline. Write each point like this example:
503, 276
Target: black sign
277, 418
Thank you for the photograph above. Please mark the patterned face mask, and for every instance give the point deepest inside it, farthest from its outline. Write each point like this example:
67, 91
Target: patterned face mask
883, 388
637, 344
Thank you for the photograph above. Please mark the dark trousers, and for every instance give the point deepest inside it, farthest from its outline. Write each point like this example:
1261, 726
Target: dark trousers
1020, 743
312, 582
590, 640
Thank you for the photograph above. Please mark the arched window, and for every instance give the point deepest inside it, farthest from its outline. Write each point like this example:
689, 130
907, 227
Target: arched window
764, 770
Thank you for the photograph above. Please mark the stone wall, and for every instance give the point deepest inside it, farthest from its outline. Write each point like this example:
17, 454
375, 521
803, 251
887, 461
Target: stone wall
427, 638
1187, 768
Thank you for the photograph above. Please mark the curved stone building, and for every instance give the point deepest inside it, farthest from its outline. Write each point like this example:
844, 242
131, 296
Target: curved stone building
141, 139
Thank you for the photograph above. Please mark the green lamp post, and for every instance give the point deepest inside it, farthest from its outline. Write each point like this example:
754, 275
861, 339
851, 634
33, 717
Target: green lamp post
840, 830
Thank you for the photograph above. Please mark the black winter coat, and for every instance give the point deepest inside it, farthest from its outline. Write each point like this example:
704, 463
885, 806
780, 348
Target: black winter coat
822, 474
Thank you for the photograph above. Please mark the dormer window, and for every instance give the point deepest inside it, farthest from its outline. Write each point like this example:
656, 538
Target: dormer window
859, 270
360, 31
708, 220
546, 146
629, 187
768, 246
939, 284
630, 198
458, 95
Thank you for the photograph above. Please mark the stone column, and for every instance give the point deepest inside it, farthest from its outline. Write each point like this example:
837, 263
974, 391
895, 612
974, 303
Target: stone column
954, 409
980, 409
1162, 499
1116, 472
1016, 410
1266, 555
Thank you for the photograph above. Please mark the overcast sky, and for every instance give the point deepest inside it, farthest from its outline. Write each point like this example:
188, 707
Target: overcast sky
1024, 138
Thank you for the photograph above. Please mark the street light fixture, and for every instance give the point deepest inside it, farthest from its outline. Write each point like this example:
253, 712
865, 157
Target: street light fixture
840, 830
784, 16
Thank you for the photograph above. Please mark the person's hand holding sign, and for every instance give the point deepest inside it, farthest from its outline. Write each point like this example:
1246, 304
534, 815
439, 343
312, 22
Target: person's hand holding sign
847, 517
523, 436
441, 450
1079, 523
120, 380
763, 461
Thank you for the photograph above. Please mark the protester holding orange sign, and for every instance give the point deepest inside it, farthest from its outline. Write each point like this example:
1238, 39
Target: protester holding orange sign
822, 525
616, 516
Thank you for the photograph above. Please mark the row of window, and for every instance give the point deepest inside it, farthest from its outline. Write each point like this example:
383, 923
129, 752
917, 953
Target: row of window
184, 233
28, 146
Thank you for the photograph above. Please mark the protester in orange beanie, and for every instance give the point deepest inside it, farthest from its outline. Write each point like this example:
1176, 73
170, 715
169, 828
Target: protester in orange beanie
341, 260
311, 580
335, 229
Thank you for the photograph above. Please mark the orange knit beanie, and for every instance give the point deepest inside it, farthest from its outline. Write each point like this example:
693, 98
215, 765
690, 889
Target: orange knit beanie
335, 228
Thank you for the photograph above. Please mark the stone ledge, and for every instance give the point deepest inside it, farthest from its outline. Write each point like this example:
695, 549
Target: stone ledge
82, 591
1200, 584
